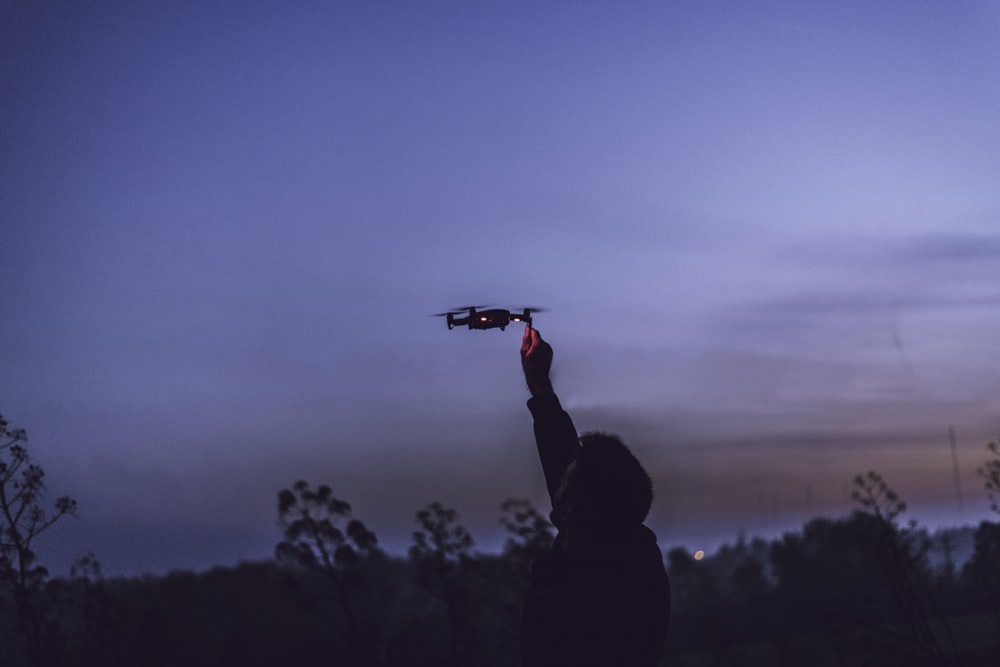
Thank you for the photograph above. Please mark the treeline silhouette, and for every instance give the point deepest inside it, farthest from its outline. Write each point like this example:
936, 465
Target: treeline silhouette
862, 589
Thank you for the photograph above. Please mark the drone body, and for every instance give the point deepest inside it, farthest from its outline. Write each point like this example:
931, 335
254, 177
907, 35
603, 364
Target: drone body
491, 318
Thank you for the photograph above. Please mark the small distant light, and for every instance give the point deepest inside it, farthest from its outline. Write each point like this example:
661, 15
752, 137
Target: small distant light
699, 554
482, 319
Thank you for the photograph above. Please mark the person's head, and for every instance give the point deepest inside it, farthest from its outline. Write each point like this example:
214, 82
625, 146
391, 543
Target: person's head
606, 483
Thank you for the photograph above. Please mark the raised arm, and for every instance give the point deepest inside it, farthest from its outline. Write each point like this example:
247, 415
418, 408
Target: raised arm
555, 434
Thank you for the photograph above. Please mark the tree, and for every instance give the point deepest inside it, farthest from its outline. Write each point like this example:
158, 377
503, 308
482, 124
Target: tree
530, 534
441, 555
743, 568
314, 542
22, 519
990, 472
981, 571
87, 628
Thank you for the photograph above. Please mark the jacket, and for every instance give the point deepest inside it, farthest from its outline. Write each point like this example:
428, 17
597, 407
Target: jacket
607, 601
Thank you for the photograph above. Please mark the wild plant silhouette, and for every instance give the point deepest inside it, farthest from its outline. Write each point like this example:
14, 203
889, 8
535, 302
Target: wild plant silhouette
990, 473
23, 517
903, 560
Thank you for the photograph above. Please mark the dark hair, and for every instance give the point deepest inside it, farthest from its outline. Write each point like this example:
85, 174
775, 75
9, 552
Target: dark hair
609, 481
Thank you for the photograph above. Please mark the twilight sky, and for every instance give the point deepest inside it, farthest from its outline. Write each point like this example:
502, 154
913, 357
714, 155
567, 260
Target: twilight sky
768, 235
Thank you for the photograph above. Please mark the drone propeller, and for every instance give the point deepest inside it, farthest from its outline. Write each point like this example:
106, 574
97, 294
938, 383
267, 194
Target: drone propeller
461, 310
531, 309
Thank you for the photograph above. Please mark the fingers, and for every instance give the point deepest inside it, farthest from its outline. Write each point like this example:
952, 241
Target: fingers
531, 338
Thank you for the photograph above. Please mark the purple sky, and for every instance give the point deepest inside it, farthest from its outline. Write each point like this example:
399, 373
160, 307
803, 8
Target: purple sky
768, 237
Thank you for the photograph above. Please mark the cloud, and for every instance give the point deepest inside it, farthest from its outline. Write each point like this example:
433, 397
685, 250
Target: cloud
859, 296
862, 302
949, 247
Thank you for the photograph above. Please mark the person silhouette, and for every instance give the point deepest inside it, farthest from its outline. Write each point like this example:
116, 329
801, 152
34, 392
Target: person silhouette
601, 595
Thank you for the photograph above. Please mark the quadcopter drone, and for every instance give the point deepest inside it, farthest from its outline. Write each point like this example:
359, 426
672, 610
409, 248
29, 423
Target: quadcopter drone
492, 318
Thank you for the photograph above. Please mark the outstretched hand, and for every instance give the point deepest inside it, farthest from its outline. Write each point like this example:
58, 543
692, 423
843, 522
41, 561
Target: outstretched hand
536, 361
